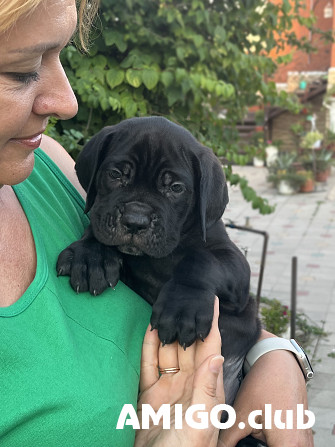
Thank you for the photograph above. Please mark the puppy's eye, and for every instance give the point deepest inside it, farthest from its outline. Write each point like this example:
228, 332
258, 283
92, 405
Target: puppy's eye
115, 174
177, 188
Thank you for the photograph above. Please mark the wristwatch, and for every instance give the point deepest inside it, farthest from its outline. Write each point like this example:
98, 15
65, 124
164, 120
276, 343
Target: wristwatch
273, 344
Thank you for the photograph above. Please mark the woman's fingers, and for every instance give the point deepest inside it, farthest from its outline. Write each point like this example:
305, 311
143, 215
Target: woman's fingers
149, 359
168, 356
212, 343
155, 355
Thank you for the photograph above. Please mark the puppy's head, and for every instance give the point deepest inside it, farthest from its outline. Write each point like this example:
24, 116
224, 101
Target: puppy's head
149, 183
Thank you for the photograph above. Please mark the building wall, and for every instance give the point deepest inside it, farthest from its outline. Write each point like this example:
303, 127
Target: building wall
280, 125
319, 61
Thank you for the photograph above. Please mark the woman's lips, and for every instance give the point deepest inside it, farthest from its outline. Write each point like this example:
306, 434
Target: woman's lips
32, 142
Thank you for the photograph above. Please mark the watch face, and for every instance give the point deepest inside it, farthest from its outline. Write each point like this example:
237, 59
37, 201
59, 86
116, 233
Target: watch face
303, 360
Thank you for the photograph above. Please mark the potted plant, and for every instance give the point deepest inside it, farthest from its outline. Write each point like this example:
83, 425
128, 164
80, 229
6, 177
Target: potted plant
320, 162
309, 182
283, 175
271, 153
259, 157
287, 182
258, 149
312, 140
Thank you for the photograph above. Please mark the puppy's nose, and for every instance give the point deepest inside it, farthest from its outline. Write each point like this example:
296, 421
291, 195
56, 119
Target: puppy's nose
136, 216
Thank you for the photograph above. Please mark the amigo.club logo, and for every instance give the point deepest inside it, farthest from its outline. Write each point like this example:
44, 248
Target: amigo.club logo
197, 417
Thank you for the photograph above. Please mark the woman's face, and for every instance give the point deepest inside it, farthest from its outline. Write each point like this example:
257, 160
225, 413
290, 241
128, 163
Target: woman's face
33, 85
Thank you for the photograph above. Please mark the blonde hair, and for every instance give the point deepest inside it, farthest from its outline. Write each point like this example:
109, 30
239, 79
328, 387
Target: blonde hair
12, 10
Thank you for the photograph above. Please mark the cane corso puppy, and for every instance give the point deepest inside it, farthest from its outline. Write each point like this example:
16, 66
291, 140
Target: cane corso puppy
156, 197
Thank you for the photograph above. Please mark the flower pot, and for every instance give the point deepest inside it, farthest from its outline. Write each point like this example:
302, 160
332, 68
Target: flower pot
285, 188
258, 162
322, 176
308, 186
271, 155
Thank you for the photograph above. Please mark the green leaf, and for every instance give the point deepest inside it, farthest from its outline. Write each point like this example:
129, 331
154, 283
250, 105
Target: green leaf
114, 103
114, 77
167, 78
150, 78
129, 106
115, 38
174, 94
180, 53
134, 77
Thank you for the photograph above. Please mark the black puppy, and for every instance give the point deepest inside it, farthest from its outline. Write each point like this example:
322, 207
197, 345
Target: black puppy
156, 197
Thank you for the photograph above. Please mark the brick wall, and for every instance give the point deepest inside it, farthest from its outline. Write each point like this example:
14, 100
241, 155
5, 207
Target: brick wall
280, 126
319, 61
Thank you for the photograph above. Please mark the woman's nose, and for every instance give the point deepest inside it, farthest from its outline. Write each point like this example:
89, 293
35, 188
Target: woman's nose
55, 96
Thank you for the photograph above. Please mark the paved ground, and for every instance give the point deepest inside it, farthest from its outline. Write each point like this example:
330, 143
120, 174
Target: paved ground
303, 225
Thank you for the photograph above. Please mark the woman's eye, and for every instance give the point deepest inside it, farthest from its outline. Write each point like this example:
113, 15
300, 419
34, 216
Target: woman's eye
25, 78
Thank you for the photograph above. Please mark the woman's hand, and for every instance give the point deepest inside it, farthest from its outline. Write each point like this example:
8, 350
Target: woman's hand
199, 381
274, 379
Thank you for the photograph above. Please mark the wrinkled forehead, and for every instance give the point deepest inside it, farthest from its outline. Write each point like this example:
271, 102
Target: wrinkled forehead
152, 143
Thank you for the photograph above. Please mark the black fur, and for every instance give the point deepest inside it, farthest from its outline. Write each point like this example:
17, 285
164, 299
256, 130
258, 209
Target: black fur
156, 197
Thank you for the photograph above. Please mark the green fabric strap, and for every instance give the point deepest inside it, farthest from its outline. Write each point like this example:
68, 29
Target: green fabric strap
68, 362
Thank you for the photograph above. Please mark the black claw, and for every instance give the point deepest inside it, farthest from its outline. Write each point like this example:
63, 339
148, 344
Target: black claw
184, 346
77, 289
201, 337
163, 343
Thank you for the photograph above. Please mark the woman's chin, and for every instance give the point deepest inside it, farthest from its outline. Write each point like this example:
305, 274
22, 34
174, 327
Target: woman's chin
17, 170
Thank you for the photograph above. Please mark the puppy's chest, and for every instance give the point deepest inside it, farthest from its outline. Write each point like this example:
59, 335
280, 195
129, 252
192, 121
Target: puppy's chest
146, 276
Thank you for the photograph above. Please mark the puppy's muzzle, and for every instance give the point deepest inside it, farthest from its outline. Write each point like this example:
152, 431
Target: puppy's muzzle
136, 216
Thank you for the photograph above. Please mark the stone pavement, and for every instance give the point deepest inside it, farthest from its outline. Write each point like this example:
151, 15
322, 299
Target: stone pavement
303, 225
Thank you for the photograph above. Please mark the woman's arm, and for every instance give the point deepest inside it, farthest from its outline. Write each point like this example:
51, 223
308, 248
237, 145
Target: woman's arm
275, 379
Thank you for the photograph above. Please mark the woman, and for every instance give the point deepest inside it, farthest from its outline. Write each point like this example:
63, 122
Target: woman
69, 363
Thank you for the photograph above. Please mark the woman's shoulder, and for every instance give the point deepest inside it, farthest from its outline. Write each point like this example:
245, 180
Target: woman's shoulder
62, 159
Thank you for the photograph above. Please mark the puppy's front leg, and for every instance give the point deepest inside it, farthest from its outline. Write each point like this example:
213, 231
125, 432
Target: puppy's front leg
183, 310
91, 265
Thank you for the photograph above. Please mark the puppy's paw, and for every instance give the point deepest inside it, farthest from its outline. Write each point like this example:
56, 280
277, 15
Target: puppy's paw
182, 313
91, 266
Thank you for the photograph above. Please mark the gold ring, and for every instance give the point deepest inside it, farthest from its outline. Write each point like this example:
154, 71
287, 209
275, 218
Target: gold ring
168, 370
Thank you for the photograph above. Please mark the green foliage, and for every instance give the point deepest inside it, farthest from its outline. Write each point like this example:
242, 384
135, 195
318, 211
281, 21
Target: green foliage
249, 193
295, 179
307, 330
275, 316
276, 319
310, 139
284, 162
192, 61
284, 170
320, 160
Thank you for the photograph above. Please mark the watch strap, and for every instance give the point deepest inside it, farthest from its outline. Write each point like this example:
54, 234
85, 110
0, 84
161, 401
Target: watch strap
264, 346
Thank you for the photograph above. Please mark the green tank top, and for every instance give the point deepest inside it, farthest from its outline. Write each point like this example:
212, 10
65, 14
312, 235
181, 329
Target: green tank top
68, 362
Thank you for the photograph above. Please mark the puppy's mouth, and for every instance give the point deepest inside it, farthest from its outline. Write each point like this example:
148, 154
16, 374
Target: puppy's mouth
130, 250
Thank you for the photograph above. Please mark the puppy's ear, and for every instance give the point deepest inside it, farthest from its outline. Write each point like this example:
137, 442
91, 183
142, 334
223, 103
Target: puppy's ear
89, 161
213, 190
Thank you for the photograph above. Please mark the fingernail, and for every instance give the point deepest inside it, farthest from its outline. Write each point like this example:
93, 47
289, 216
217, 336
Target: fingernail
215, 364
